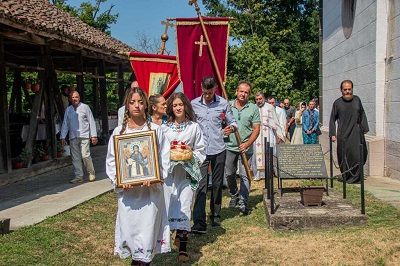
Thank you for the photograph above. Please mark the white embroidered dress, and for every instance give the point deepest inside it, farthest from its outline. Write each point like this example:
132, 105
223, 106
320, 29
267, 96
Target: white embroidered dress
141, 228
184, 176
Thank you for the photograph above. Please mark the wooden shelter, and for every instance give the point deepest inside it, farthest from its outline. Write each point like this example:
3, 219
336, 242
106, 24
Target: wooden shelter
36, 36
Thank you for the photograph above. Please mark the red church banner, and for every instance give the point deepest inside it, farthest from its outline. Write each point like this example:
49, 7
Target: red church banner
155, 73
194, 60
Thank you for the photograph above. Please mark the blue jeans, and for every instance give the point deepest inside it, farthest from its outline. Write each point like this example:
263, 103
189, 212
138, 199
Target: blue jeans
217, 162
231, 163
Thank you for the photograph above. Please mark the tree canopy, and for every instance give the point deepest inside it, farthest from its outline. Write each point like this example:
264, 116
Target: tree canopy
90, 13
276, 45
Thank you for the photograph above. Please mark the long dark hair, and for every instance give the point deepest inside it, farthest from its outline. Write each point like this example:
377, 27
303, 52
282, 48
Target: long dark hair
189, 113
128, 97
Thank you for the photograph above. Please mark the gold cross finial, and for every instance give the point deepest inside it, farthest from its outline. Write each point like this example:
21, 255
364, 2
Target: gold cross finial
164, 37
197, 8
167, 24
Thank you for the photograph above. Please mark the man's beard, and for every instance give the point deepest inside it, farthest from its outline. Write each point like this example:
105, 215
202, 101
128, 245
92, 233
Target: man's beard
348, 97
261, 104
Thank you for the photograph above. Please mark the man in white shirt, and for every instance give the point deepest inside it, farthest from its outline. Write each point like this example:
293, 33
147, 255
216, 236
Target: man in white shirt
79, 122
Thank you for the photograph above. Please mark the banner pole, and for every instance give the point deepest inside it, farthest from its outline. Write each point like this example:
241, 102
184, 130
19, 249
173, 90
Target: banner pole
224, 94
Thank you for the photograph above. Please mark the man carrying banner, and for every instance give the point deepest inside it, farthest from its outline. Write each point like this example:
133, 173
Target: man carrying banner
248, 120
209, 108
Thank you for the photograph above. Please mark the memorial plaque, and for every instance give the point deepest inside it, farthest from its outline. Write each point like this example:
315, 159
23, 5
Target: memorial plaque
301, 161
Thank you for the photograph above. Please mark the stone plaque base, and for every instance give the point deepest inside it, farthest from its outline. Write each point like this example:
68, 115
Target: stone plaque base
290, 214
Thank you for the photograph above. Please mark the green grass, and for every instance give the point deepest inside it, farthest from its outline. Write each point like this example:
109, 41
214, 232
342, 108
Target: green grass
85, 236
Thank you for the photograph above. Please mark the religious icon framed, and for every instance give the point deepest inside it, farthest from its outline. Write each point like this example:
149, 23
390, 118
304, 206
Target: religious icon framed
136, 158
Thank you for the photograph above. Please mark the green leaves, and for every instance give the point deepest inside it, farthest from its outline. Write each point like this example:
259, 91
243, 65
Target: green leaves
253, 61
278, 50
89, 13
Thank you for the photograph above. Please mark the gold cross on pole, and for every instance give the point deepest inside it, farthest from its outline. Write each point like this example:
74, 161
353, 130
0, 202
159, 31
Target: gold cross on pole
164, 37
167, 24
201, 43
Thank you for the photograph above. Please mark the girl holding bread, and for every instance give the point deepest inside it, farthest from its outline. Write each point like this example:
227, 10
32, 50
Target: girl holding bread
187, 154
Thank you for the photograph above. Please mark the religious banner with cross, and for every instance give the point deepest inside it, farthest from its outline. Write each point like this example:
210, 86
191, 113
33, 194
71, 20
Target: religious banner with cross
155, 73
194, 60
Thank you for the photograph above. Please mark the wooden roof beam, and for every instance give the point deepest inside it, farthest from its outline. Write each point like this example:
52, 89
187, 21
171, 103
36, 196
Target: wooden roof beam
25, 67
22, 36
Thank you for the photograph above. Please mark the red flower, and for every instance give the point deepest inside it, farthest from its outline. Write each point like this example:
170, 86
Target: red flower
175, 142
183, 147
173, 147
183, 143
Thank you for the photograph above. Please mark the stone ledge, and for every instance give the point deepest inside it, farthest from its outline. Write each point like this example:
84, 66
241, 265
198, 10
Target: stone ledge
47, 166
291, 215
4, 226
35, 169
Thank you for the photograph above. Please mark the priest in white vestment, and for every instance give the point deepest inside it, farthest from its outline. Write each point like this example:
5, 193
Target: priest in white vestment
270, 128
280, 113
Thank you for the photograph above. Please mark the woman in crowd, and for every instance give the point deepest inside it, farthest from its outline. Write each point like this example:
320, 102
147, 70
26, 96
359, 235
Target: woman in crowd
157, 109
297, 134
141, 229
187, 154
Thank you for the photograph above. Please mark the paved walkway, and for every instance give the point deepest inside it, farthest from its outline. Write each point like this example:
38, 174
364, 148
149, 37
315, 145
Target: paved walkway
34, 199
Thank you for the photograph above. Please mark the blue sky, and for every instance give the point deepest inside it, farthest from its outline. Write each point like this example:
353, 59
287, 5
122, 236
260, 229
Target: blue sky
136, 16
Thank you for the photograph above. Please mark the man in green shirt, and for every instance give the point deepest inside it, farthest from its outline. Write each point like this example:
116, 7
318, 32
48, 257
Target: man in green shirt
247, 117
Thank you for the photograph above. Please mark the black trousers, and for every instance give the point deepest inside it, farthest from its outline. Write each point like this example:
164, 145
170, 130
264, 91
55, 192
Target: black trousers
217, 162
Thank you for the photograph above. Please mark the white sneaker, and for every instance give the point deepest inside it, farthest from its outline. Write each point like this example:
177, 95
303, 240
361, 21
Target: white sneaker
76, 180
92, 177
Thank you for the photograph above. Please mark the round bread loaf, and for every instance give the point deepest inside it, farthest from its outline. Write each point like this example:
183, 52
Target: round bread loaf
180, 152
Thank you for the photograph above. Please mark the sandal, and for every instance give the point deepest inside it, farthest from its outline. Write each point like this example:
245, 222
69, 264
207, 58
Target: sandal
182, 239
183, 256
